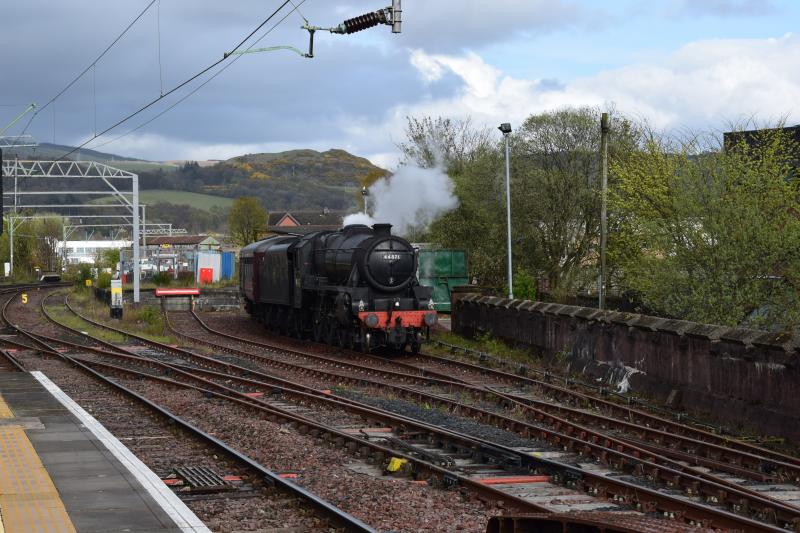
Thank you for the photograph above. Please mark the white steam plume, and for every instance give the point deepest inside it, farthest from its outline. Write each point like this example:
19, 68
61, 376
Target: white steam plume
410, 199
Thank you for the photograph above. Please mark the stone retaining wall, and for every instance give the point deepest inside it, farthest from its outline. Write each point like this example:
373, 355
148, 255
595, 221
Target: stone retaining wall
735, 375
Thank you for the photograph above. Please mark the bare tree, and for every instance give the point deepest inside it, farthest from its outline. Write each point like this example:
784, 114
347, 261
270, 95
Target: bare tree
453, 143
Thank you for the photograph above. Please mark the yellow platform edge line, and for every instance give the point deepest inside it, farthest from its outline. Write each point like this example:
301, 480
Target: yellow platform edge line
5, 412
29, 501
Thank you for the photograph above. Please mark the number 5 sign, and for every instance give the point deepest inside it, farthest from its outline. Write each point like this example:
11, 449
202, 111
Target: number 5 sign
24, 297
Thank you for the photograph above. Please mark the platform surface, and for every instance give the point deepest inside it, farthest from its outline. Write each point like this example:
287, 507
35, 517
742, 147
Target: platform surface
57, 476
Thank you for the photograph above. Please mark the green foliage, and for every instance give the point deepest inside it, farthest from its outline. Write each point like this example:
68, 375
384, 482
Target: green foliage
711, 236
524, 285
149, 314
555, 200
162, 279
247, 220
35, 245
84, 272
189, 217
109, 258
150, 197
104, 280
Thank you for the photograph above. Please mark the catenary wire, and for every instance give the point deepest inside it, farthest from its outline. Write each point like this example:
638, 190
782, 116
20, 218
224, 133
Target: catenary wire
193, 91
92, 64
177, 87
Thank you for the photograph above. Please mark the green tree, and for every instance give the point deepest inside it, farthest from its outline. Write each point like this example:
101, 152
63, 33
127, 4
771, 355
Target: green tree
711, 235
555, 200
109, 258
247, 220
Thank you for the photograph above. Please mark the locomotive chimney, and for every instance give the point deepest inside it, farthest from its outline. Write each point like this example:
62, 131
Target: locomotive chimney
382, 229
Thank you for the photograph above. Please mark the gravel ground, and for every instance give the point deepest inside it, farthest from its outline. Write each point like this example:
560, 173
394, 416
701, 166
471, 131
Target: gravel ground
162, 448
323, 469
383, 502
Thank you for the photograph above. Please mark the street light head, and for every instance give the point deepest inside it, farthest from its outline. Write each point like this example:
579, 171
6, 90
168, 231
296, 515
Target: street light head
505, 127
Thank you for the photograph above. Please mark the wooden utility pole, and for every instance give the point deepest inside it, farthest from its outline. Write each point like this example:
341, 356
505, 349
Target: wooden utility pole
601, 292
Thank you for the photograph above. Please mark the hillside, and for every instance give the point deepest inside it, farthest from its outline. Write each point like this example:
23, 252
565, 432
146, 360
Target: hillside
46, 151
204, 202
296, 179
197, 195
334, 167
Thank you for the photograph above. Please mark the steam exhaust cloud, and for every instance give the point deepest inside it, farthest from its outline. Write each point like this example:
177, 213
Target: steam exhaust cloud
410, 199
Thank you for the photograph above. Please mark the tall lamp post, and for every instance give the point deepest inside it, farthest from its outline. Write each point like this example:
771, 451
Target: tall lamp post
506, 129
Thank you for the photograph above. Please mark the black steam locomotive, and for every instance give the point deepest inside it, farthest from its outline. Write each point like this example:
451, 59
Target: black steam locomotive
356, 287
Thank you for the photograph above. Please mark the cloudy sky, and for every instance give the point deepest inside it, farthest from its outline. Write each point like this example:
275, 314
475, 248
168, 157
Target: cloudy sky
679, 64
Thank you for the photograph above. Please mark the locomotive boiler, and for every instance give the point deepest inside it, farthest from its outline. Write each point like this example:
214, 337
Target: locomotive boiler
356, 287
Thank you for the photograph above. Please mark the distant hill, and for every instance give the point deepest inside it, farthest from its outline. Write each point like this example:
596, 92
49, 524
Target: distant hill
333, 167
54, 151
296, 179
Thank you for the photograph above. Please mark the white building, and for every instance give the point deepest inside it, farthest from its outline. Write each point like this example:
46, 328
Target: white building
87, 251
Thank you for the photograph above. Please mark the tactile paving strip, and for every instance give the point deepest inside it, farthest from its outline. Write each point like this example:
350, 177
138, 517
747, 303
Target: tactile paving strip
29, 502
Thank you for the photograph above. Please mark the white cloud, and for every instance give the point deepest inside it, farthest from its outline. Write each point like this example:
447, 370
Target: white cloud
701, 85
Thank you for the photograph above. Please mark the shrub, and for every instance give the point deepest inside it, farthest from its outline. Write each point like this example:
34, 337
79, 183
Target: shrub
85, 272
151, 315
524, 285
162, 278
104, 280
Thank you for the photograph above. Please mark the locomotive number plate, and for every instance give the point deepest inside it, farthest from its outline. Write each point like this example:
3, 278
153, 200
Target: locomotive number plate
391, 257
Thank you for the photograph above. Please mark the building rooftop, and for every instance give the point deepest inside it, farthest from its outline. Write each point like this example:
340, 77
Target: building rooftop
186, 240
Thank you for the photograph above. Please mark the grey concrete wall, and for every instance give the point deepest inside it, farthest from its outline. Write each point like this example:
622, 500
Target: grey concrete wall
735, 375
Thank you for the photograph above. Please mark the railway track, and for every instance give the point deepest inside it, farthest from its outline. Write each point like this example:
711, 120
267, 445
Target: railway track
247, 478
745, 500
781, 491
623, 424
520, 387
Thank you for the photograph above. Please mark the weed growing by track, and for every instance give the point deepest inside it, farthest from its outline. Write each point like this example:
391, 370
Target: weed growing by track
482, 343
144, 320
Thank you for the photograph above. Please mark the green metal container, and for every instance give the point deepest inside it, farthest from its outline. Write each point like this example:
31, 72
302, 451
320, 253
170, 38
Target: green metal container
442, 269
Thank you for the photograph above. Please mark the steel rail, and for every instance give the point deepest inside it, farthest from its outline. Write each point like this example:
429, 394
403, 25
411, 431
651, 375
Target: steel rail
717, 454
757, 468
695, 514
606, 449
322, 507
13, 361
718, 489
632, 414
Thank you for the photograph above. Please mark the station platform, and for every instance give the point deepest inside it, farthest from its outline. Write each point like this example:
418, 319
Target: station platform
61, 471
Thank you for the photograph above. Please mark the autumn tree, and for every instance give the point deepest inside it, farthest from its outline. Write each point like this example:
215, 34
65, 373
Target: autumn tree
247, 220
